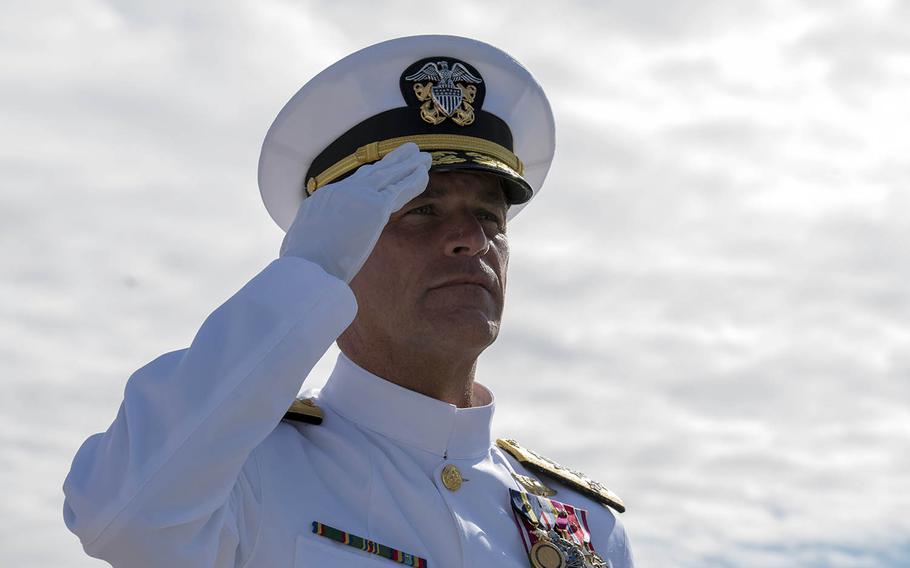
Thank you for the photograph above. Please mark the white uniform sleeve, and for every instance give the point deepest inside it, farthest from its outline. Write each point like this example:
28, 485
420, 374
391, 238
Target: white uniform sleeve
619, 550
172, 481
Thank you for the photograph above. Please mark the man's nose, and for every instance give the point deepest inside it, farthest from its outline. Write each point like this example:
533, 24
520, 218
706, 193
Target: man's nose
466, 236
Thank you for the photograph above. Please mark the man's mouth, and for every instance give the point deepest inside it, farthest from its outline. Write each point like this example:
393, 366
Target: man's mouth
474, 282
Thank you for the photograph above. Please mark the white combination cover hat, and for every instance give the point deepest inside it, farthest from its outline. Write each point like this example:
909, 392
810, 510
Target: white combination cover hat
466, 102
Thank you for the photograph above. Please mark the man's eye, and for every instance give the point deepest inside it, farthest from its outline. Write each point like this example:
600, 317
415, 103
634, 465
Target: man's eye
422, 210
489, 216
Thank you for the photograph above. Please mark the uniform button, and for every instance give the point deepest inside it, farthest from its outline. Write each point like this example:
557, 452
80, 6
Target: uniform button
451, 477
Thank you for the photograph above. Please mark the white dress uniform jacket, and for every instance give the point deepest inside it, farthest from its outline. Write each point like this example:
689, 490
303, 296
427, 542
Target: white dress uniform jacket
198, 469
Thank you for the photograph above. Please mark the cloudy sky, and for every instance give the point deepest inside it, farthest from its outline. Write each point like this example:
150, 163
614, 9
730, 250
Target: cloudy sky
708, 306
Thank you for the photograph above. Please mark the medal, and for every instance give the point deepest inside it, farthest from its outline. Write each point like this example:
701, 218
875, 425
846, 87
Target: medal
545, 554
555, 534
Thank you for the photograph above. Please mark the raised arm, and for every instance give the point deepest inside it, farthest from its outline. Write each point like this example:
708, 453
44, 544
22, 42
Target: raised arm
174, 480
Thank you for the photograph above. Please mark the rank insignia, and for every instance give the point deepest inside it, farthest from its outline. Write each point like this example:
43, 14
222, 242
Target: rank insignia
304, 410
555, 534
574, 479
443, 88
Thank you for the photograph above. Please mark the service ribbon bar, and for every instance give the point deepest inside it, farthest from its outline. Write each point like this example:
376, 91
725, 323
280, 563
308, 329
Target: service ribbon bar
368, 545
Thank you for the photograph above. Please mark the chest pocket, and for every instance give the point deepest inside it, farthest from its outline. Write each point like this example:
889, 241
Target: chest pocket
315, 551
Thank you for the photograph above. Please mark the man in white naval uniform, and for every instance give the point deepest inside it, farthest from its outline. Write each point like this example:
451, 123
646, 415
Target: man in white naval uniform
403, 262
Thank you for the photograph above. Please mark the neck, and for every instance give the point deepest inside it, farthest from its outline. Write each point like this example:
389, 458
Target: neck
438, 375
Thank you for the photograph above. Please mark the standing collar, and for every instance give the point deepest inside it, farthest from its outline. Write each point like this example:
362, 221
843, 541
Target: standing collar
409, 417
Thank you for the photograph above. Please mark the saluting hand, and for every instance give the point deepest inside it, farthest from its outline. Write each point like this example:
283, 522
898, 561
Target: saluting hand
338, 226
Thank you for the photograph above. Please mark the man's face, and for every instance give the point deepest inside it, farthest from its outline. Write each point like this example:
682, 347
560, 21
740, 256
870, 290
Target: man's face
436, 278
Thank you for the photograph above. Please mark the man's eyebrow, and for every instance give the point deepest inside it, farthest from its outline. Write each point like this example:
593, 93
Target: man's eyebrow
434, 191
490, 195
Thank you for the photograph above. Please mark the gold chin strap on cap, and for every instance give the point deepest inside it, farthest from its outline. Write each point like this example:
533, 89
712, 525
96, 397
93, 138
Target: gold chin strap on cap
427, 142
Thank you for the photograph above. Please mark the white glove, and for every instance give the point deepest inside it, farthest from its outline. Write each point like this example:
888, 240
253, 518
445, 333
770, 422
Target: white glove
338, 226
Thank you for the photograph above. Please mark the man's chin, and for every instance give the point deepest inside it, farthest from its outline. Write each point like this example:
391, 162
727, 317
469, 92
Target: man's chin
471, 326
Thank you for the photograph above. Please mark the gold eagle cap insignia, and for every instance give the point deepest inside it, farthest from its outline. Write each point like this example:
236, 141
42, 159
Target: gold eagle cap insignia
573, 479
304, 410
447, 93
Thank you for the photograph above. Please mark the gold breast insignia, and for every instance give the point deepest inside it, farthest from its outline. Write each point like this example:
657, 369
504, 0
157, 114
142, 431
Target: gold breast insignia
534, 486
574, 479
